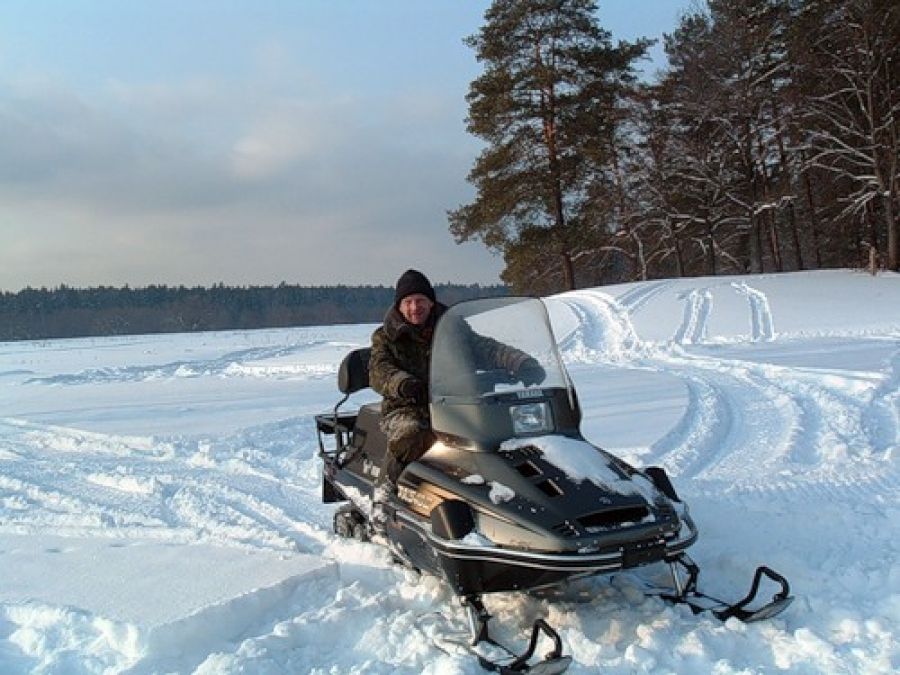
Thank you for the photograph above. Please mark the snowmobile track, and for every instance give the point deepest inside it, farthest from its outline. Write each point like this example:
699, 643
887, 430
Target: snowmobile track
698, 306
809, 431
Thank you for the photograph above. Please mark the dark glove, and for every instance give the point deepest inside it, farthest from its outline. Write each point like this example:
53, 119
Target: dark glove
414, 388
530, 372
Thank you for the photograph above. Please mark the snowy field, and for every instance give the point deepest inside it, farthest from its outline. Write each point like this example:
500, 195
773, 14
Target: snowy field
160, 495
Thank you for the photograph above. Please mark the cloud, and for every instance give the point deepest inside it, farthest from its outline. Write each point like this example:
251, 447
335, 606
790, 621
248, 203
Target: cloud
284, 137
199, 181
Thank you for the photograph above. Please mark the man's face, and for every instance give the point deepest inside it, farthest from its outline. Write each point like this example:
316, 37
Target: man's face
415, 308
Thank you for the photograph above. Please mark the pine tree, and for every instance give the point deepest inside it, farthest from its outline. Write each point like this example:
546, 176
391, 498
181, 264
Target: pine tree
546, 105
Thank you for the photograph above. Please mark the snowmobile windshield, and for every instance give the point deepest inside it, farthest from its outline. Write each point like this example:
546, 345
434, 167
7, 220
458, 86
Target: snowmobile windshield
491, 346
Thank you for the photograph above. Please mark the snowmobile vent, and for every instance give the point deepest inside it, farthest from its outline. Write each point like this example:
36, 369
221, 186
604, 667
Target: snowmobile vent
528, 469
549, 488
613, 517
528, 452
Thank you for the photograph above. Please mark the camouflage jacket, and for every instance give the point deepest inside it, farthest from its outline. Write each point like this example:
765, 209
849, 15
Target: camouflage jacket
401, 350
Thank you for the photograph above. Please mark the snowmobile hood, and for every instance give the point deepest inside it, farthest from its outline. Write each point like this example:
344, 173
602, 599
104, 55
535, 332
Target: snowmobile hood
547, 493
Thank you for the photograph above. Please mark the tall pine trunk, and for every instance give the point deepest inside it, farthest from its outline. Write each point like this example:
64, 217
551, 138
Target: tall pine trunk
891, 217
813, 219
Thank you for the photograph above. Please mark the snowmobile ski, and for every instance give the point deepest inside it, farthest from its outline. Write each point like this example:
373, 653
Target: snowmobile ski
685, 574
552, 663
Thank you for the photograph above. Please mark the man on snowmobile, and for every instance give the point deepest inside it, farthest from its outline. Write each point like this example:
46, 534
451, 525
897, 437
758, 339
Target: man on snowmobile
399, 370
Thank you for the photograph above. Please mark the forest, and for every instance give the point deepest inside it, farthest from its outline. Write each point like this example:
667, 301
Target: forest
769, 143
64, 312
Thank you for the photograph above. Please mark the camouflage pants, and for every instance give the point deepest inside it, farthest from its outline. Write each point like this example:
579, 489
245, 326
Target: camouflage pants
409, 435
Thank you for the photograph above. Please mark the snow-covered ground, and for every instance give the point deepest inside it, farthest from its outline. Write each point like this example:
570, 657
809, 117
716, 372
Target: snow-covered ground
160, 495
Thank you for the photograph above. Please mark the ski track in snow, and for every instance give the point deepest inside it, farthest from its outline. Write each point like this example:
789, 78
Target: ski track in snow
603, 329
762, 326
696, 313
235, 364
640, 294
806, 433
217, 490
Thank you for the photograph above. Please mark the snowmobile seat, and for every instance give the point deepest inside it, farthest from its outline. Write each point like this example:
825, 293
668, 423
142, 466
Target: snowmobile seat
353, 375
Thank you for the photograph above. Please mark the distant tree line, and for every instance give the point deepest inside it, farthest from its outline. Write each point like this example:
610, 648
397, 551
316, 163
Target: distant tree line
770, 143
65, 312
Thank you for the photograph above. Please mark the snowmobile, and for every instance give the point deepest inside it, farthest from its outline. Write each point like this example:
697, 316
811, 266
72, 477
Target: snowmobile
511, 497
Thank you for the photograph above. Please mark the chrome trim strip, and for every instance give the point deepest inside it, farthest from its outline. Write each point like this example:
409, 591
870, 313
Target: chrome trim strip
563, 562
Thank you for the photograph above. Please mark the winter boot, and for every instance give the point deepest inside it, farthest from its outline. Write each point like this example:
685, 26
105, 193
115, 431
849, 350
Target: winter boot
385, 489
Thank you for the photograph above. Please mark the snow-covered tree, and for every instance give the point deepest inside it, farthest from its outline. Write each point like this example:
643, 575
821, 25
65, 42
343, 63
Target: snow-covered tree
853, 100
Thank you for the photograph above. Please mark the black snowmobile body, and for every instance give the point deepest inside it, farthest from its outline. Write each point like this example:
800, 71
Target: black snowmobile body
510, 497
485, 507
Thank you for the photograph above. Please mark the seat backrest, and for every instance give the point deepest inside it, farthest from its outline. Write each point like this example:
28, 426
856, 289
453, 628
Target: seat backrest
353, 375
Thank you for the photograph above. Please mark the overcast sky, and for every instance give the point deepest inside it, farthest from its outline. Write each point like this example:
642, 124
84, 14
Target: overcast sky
245, 142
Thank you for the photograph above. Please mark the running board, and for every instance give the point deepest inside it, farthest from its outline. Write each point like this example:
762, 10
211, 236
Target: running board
687, 594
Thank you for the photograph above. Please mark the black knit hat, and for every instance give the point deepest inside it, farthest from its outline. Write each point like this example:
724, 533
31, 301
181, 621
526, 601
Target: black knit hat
410, 282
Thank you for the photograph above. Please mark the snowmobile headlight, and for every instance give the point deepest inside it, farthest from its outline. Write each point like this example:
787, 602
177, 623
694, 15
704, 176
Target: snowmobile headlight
531, 418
